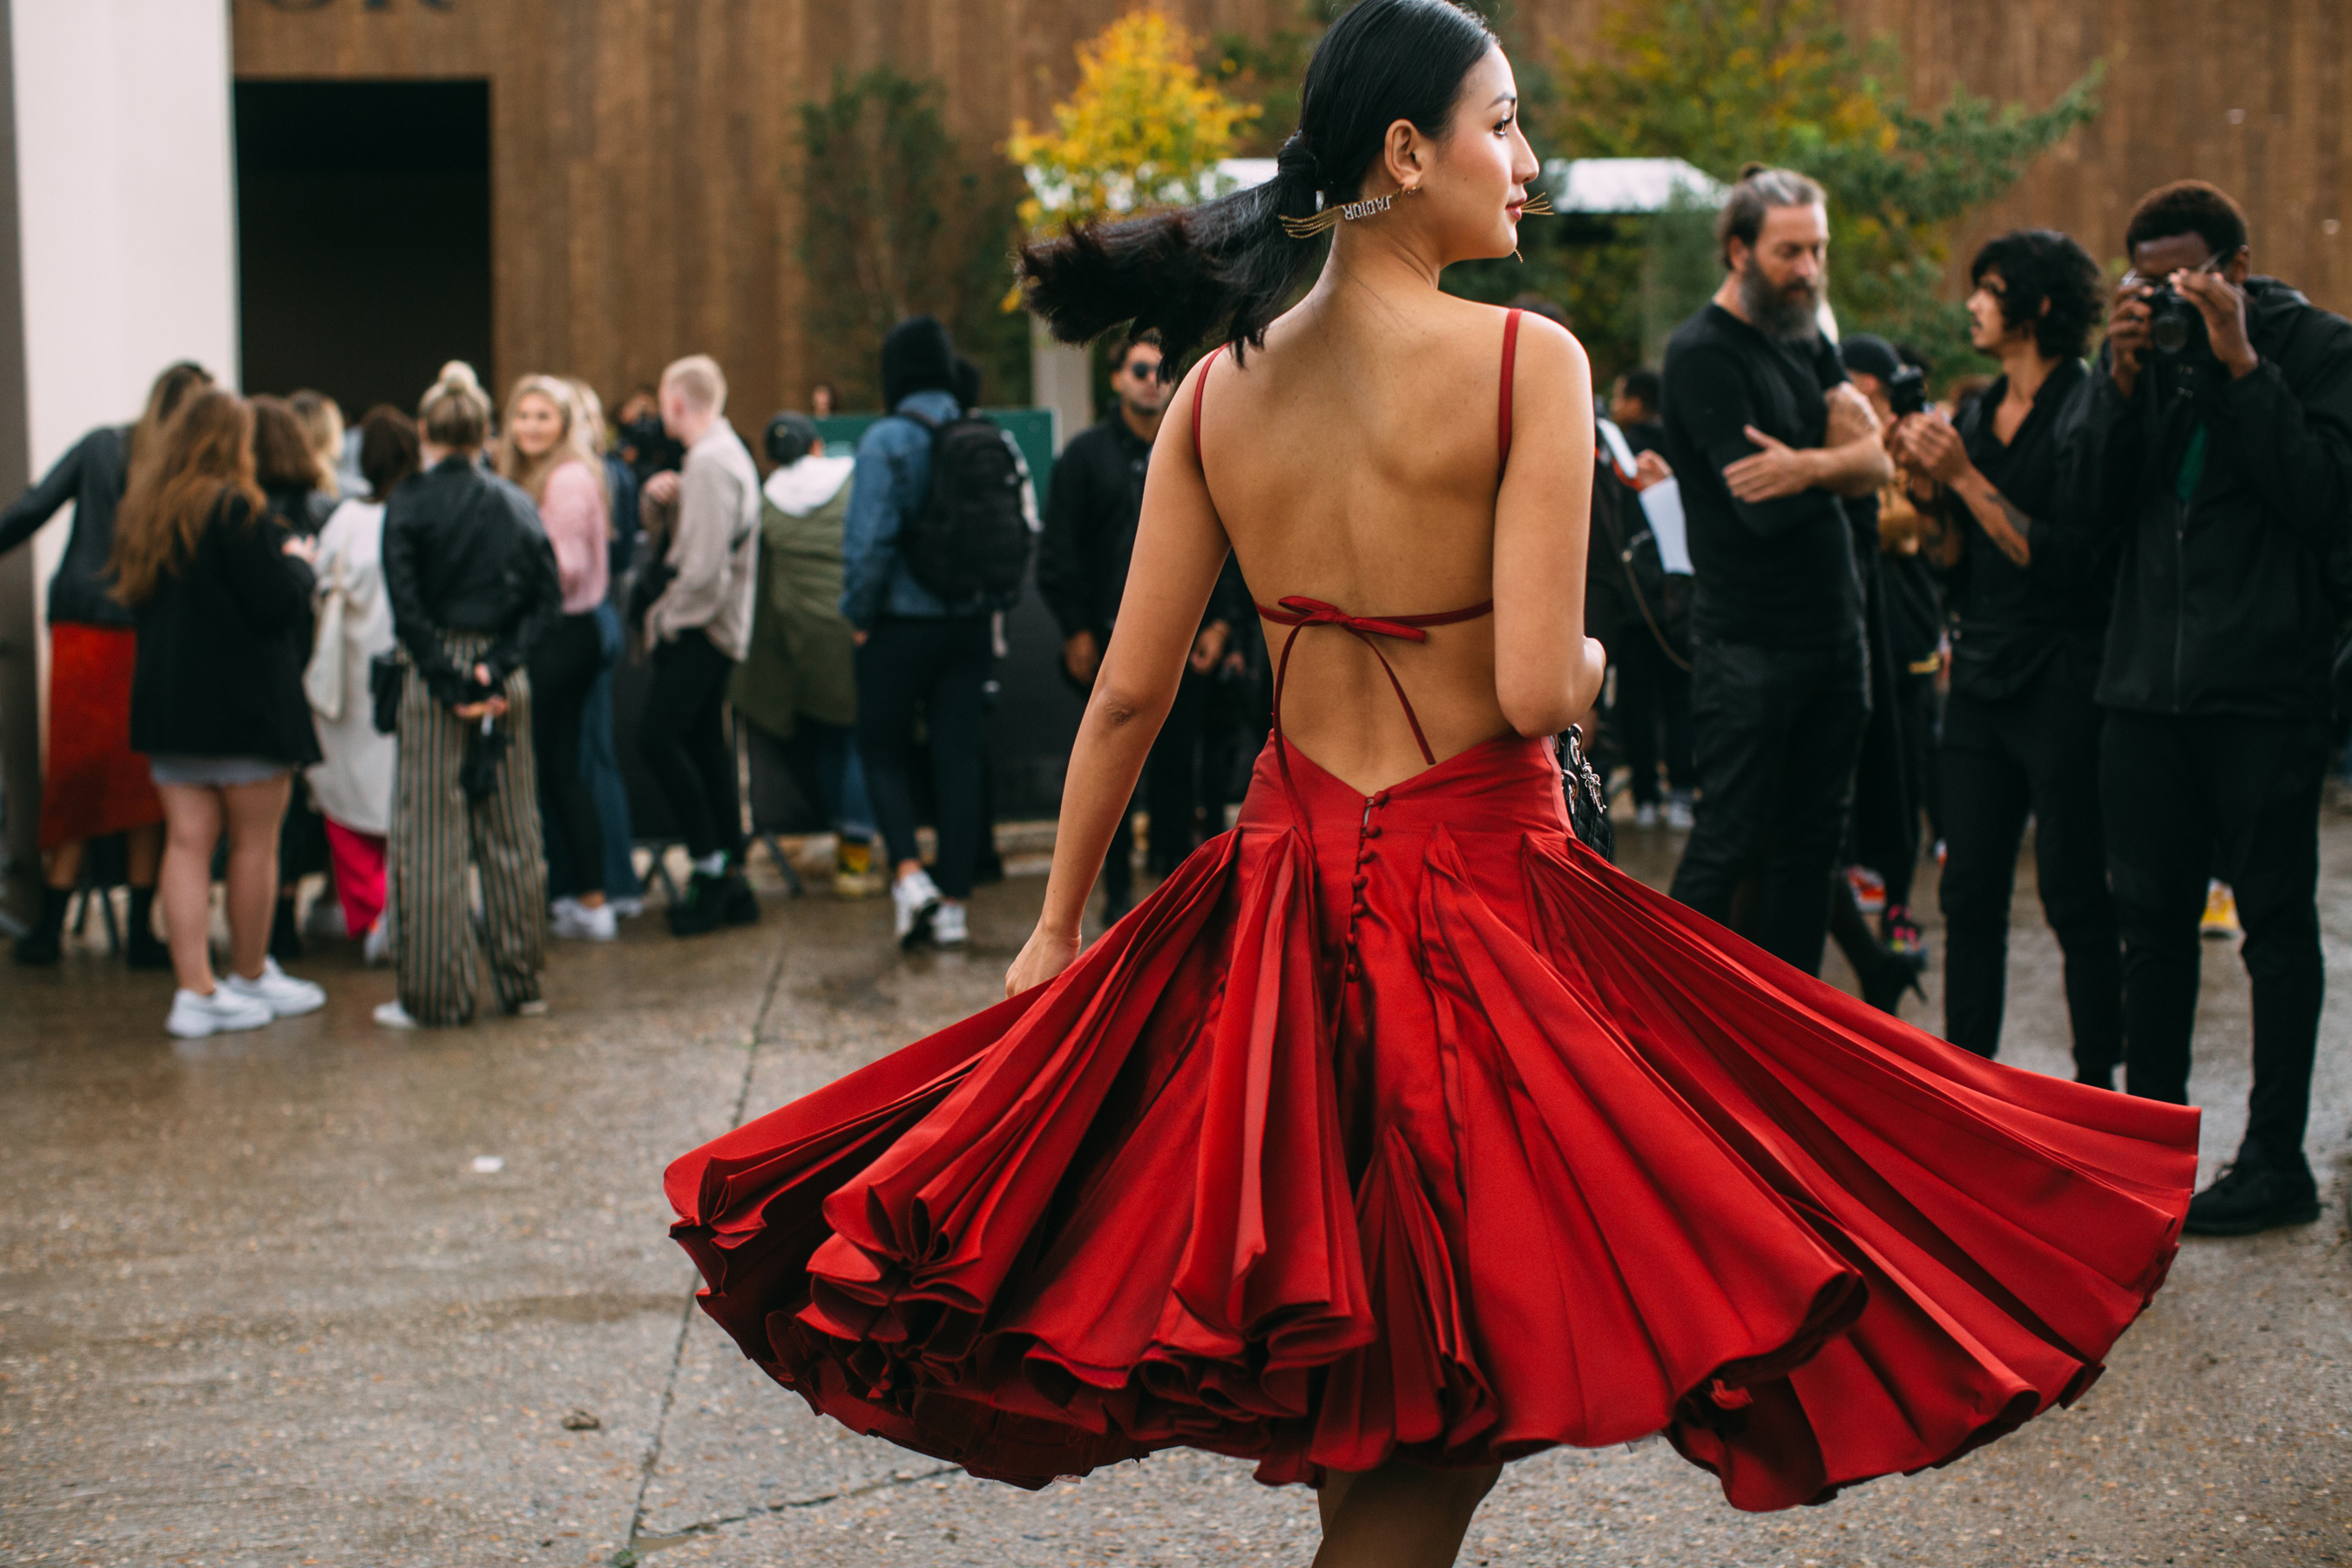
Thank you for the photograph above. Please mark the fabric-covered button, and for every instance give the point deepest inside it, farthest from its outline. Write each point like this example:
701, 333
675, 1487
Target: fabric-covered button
1372, 830
1382, 798
1362, 881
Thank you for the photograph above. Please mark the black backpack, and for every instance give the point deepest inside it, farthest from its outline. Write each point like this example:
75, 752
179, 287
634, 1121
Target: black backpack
972, 539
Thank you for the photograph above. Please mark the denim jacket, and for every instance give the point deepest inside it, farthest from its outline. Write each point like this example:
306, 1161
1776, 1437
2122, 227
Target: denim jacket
893, 475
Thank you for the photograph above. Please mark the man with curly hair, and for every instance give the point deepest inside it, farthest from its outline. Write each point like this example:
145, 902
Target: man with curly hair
2029, 598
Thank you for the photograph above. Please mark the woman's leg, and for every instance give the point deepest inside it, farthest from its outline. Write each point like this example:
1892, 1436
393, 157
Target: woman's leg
562, 669
192, 825
1399, 1516
254, 812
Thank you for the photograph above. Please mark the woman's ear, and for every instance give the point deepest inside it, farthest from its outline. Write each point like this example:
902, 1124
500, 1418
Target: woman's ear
1401, 155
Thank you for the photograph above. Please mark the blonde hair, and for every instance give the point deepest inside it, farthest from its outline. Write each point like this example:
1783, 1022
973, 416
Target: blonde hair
322, 427
699, 381
571, 442
591, 415
454, 411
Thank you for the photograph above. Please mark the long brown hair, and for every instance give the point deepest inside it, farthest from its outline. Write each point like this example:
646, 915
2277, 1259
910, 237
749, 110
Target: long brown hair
145, 446
282, 458
206, 456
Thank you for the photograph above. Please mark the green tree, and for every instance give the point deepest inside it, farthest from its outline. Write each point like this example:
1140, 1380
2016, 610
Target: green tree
894, 220
1723, 82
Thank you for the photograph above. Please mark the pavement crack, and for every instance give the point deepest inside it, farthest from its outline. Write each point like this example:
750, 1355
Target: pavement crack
644, 1545
638, 1541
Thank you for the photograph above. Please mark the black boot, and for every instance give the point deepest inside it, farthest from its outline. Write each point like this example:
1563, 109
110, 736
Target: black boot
701, 907
144, 950
2255, 1193
285, 935
740, 905
1884, 974
43, 943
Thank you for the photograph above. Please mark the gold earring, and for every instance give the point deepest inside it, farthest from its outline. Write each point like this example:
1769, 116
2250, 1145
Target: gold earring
1331, 217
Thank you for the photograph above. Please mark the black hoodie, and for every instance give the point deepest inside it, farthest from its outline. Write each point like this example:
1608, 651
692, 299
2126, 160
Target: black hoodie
2235, 559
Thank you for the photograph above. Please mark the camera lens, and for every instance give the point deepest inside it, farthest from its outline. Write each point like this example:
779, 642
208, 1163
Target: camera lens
2169, 330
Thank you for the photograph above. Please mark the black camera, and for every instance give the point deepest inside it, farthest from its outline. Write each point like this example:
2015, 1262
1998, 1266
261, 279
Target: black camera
2175, 325
1906, 391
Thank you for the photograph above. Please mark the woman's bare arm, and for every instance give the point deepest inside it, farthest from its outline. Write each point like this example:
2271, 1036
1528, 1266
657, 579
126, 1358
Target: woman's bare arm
1547, 671
1180, 548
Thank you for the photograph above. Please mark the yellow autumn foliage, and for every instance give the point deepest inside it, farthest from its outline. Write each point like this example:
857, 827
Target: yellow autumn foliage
1144, 129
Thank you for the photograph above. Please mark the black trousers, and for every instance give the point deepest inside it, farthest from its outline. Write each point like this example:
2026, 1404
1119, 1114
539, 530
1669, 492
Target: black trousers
684, 741
564, 670
1652, 714
2186, 798
1890, 780
2034, 753
1776, 731
940, 667
1175, 787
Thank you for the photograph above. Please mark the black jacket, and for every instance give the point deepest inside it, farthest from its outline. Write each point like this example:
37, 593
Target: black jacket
222, 643
1776, 573
2227, 601
1091, 510
90, 475
465, 551
2012, 622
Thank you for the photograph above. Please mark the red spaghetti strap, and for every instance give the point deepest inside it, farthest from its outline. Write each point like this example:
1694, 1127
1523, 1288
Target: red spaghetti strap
1200, 386
1510, 360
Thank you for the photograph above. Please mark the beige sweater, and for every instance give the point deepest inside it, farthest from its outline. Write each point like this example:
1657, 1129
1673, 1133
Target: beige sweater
714, 546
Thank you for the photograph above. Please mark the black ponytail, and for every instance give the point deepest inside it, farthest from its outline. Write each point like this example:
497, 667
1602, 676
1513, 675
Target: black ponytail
1222, 270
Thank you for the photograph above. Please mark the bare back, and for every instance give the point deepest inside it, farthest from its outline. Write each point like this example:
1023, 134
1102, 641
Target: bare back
1358, 459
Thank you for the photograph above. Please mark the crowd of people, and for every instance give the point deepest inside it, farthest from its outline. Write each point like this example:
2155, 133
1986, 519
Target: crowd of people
2099, 595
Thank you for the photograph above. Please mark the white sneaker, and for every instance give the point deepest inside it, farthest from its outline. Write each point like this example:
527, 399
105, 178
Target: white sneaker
626, 909
915, 901
195, 1015
376, 946
577, 922
392, 1016
1646, 816
280, 991
948, 927
1679, 815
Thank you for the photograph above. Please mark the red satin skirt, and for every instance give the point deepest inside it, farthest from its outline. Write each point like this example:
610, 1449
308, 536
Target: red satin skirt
93, 783
1407, 1127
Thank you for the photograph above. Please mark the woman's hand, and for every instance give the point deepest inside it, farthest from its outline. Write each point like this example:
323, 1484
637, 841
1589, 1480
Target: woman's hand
302, 548
1044, 955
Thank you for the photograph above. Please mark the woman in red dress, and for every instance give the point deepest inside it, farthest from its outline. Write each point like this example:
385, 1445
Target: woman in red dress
1397, 1135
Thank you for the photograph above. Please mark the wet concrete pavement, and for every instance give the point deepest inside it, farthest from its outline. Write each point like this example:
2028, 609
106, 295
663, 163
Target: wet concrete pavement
329, 1294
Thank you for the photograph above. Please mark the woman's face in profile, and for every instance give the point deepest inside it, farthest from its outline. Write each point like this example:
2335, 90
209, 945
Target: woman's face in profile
1478, 180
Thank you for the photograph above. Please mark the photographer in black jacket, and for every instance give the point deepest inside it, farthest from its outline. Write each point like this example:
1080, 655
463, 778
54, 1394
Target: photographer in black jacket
2216, 451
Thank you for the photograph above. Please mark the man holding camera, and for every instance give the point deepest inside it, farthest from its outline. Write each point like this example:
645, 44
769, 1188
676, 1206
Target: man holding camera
1764, 433
2216, 454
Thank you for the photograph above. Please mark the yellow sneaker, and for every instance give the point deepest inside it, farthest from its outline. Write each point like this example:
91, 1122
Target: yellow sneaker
2220, 921
853, 872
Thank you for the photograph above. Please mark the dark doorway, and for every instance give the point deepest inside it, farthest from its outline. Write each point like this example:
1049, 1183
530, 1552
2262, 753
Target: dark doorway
363, 235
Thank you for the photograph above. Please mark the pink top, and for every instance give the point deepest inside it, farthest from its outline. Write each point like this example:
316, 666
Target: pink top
572, 510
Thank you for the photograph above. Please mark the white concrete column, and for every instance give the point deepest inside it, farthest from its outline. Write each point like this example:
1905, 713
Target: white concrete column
125, 239
1060, 378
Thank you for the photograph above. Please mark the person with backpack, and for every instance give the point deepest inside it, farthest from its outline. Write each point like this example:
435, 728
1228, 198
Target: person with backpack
699, 626
935, 542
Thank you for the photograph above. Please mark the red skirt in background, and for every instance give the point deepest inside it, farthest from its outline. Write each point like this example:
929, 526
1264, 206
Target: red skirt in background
93, 783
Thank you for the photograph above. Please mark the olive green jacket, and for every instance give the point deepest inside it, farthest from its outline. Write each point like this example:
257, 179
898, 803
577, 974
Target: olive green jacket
799, 662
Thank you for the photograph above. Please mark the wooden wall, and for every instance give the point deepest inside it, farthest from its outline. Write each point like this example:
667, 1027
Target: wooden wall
641, 148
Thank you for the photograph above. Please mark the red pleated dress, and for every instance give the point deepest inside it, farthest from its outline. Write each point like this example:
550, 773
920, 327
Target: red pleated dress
1406, 1126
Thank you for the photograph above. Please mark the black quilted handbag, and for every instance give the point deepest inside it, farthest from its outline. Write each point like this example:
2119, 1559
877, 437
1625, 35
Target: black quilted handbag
1588, 798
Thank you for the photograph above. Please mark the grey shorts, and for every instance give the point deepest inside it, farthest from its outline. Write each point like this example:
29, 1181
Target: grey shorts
214, 772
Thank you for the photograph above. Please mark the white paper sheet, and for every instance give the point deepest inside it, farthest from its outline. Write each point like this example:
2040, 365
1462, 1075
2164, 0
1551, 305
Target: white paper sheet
1661, 503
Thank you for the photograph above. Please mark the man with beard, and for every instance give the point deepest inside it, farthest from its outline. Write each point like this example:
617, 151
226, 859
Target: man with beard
1766, 433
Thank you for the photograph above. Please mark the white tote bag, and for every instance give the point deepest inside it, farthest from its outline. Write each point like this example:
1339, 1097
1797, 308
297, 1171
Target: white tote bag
323, 681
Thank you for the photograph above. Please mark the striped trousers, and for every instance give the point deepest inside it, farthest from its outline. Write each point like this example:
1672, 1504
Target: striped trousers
437, 834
